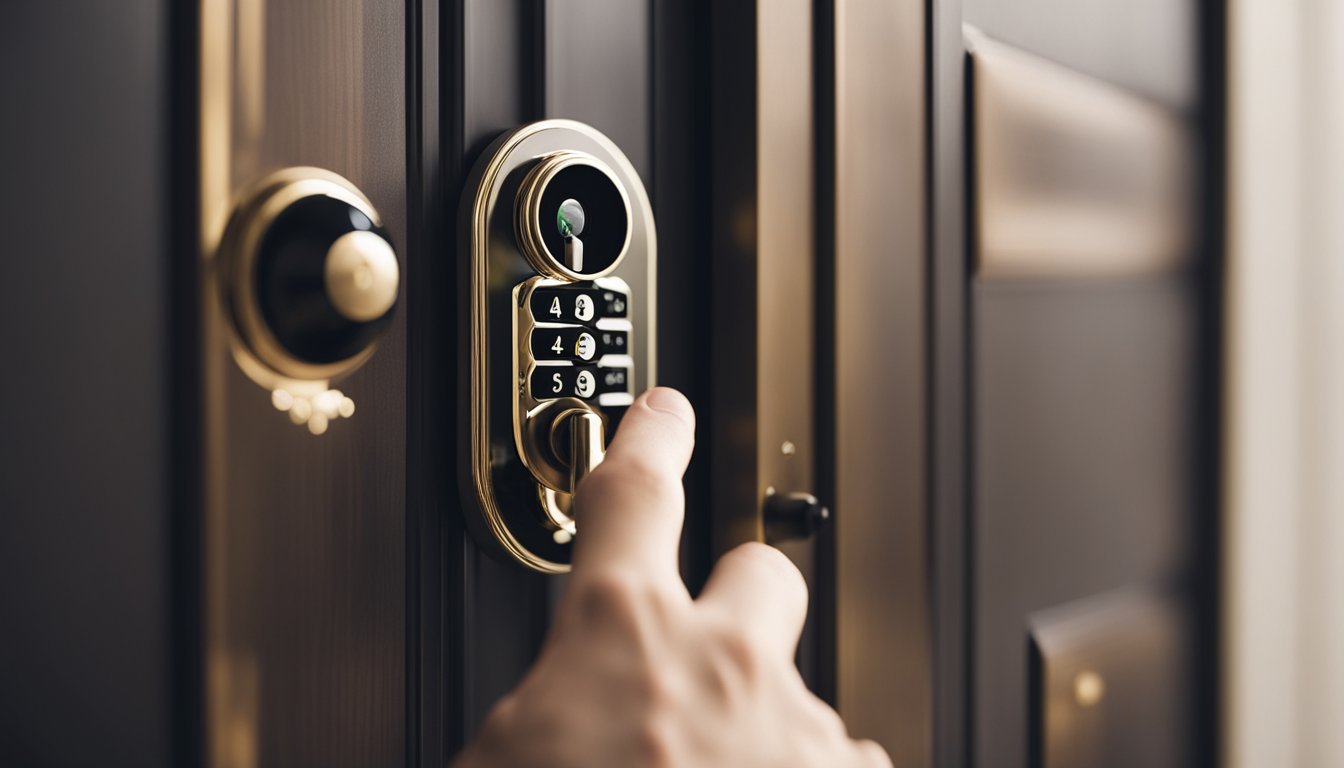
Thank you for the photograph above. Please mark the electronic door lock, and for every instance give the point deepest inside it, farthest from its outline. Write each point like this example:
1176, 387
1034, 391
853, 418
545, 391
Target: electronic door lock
309, 280
560, 317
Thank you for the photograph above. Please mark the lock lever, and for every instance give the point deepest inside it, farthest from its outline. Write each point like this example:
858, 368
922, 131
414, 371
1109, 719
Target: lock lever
587, 446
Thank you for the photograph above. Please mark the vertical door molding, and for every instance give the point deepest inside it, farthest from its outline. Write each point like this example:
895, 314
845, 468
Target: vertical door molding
763, 271
883, 652
762, 432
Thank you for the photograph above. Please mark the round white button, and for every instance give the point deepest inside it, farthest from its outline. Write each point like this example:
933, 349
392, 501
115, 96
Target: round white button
586, 346
361, 276
583, 307
585, 384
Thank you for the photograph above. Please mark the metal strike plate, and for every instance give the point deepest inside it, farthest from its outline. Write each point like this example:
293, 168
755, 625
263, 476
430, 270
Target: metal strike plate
520, 224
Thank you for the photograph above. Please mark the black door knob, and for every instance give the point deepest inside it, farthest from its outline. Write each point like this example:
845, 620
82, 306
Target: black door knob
326, 279
311, 276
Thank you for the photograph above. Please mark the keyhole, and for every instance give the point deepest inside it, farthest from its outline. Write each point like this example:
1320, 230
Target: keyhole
570, 218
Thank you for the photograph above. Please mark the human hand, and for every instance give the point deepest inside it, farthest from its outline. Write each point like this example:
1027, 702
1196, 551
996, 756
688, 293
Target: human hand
635, 672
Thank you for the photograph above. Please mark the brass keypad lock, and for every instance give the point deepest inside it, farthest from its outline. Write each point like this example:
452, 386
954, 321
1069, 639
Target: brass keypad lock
309, 281
561, 285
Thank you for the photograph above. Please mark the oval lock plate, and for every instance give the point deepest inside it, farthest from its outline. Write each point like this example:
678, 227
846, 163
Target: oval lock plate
548, 328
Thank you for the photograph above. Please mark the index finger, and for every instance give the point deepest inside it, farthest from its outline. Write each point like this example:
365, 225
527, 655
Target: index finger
629, 510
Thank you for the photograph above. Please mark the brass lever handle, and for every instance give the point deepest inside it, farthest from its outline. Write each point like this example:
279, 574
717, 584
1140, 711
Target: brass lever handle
587, 446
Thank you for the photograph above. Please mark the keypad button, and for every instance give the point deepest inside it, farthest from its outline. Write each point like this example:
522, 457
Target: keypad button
577, 304
614, 342
585, 382
577, 343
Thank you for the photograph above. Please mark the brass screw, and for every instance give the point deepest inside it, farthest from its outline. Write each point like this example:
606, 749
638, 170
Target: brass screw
1088, 688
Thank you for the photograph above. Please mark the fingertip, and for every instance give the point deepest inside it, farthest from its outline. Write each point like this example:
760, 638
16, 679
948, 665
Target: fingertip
659, 427
670, 401
771, 559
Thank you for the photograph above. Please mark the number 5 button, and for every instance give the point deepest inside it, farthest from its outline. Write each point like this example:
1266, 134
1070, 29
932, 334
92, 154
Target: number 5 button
552, 381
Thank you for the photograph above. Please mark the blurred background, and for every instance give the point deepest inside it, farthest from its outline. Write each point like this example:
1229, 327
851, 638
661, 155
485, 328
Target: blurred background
1041, 300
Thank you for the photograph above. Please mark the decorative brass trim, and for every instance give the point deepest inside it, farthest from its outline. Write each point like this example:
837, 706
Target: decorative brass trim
254, 346
483, 195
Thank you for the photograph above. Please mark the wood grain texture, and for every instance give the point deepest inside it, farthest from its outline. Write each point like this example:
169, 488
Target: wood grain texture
305, 536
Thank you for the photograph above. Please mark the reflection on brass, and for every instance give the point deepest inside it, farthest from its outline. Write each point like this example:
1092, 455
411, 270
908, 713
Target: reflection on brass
501, 422
1073, 176
1088, 688
251, 102
316, 411
559, 510
232, 718
587, 445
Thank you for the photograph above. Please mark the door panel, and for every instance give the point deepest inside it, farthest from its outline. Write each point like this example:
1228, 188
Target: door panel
1088, 354
305, 538
88, 457
1084, 471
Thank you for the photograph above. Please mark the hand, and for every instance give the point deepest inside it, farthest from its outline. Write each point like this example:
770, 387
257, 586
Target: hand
635, 672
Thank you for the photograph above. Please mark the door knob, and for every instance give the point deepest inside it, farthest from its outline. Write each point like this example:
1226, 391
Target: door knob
310, 281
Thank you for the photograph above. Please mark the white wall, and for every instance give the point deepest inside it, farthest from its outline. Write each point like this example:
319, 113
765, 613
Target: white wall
1284, 544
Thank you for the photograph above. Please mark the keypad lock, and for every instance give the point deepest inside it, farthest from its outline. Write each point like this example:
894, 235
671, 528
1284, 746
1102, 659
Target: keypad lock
559, 313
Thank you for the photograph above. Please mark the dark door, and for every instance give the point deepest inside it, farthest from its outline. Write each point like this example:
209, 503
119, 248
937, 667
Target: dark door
944, 268
1093, 254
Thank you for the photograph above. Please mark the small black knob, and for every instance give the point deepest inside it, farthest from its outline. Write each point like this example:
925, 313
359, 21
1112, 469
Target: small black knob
792, 516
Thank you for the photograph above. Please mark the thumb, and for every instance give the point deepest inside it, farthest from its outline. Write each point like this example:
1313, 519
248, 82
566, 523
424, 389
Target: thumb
629, 511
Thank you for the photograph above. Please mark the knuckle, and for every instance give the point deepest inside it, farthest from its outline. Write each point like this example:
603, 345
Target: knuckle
610, 595
623, 600
736, 655
657, 741
502, 720
661, 690
738, 647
